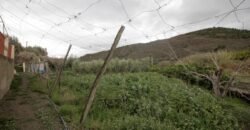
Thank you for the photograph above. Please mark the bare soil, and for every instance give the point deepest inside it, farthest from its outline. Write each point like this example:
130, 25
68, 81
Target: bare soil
28, 110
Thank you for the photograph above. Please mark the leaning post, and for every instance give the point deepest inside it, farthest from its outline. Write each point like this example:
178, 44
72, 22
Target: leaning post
60, 71
98, 77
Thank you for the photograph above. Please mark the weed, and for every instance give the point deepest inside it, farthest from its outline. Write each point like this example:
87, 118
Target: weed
239, 108
38, 85
46, 118
16, 82
7, 124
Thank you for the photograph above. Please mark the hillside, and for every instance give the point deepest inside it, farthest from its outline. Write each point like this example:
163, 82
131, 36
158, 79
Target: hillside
206, 40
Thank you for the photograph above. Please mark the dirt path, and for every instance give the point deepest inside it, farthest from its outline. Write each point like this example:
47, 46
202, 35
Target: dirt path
23, 109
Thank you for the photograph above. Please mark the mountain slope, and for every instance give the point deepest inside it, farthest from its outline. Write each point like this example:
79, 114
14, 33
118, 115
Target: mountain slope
206, 40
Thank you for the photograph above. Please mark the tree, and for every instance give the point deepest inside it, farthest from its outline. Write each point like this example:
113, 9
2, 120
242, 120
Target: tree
37, 50
220, 86
18, 46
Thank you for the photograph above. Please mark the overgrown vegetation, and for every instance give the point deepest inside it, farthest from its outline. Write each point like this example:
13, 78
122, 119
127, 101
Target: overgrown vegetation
132, 97
240, 110
142, 101
203, 64
150, 100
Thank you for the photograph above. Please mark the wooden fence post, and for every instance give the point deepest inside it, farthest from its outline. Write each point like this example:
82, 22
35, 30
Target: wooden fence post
98, 77
60, 72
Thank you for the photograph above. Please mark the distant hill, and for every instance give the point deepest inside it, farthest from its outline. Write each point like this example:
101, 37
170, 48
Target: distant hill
206, 40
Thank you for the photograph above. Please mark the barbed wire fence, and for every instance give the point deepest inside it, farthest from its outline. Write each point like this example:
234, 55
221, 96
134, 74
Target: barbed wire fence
71, 37
66, 37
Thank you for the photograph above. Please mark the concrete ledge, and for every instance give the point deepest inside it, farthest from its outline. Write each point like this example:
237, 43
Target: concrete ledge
6, 58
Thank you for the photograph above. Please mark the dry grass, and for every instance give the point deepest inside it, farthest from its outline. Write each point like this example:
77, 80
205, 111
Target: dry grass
223, 58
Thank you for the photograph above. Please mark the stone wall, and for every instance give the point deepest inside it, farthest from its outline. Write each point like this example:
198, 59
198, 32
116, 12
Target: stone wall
6, 74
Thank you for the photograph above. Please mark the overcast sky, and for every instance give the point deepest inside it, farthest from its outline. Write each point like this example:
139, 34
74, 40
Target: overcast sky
91, 25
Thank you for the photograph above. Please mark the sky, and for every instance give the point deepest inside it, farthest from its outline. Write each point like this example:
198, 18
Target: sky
91, 25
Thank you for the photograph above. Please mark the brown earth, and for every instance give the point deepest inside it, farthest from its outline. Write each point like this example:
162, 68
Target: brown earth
27, 110
206, 40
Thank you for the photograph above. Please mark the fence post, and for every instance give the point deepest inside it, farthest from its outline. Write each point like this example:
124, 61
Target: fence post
24, 67
60, 72
98, 77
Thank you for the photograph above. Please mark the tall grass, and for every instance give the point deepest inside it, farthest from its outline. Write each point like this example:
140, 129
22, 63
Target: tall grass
205, 59
224, 58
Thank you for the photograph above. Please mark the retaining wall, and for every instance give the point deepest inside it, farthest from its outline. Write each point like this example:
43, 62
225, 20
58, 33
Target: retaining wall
6, 64
6, 75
